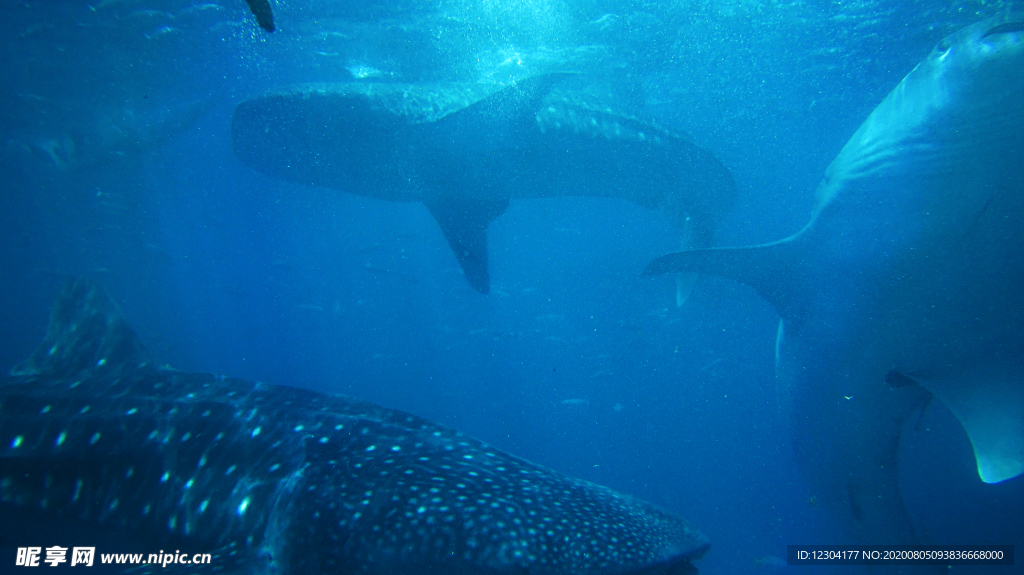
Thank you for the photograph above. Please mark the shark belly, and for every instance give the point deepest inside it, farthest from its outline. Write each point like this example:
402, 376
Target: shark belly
918, 264
904, 285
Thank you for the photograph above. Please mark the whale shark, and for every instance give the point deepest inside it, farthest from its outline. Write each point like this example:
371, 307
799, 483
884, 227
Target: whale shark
273, 479
465, 149
905, 285
73, 138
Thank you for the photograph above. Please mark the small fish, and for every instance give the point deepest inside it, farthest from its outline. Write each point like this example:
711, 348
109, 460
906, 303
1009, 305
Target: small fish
202, 8
160, 32
771, 562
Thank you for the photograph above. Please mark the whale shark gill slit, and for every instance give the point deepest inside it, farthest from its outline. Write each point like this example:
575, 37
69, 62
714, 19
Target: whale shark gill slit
1005, 28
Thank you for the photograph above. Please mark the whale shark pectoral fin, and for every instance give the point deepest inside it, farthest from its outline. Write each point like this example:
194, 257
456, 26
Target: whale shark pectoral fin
991, 410
999, 456
464, 223
770, 269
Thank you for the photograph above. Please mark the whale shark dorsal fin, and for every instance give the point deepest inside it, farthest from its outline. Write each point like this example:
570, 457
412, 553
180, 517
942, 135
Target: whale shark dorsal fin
991, 410
464, 222
771, 269
502, 113
519, 100
86, 333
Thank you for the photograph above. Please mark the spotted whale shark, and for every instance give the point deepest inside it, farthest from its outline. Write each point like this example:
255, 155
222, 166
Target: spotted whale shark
276, 479
906, 283
465, 149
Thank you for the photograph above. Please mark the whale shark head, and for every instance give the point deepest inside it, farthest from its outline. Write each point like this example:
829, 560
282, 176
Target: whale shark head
905, 283
961, 97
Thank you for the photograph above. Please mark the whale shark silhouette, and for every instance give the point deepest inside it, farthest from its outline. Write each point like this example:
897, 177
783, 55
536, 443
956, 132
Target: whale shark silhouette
465, 149
71, 139
906, 283
275, 479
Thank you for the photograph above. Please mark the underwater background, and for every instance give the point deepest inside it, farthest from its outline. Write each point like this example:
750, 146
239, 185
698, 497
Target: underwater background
116, 163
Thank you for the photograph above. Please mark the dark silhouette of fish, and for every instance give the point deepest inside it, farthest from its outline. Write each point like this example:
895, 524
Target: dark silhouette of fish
71, 139
264, 16
465, 149
275, 479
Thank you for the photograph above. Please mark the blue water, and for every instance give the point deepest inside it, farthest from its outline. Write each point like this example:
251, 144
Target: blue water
221, 269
